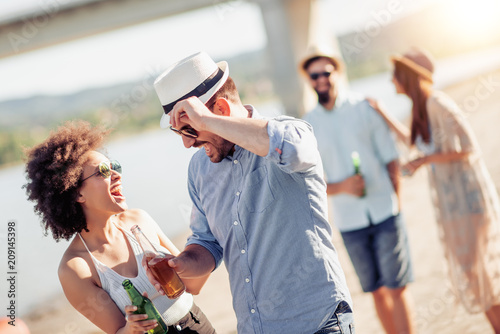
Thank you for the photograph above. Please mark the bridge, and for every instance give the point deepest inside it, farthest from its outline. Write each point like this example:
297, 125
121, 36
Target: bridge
290, 27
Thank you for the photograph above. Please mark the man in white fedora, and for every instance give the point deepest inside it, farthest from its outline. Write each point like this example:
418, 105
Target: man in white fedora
259, 204
365, 198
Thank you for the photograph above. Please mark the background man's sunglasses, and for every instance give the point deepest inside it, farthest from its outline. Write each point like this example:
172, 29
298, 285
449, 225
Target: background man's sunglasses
316, 76
105, 169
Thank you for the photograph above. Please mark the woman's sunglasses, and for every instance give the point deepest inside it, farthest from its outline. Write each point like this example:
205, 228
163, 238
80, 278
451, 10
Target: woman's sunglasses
105, 169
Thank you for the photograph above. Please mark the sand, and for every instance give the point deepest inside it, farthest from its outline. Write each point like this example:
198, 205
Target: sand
435, 309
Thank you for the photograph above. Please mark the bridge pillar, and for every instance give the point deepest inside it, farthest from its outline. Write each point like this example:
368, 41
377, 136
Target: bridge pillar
291, 25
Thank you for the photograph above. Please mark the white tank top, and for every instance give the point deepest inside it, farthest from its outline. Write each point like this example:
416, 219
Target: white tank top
172, 310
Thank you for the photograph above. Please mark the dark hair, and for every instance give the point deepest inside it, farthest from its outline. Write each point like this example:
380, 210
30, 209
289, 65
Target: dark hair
53, 171
418, 89
228, 91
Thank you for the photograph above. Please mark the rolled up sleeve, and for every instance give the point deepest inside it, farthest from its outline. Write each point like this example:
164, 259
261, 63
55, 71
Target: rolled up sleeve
201, 233
292, 144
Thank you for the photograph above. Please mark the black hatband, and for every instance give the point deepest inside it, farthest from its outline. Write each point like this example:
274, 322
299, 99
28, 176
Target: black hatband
204, 87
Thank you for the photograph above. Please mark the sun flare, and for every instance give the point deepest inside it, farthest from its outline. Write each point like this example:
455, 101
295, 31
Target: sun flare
475, 17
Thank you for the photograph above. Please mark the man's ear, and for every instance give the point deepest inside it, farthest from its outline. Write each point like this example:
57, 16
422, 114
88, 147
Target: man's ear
222, 107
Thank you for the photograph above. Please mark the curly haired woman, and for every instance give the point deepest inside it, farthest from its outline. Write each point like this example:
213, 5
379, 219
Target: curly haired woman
78, 191
465, 200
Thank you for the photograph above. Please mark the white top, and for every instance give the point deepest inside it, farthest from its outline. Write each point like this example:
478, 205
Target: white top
172, 310
353, 126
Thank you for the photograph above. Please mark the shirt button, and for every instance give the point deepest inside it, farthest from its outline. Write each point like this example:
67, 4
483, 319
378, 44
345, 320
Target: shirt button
243, 251
252, 310
247, 280
235, 162
235, 223
238, 193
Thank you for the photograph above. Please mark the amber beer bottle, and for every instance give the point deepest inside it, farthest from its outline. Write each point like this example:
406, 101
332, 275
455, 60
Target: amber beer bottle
158, 263
356, 161
145, 306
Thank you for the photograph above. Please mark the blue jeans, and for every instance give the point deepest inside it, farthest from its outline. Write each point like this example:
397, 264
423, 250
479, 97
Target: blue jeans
341, 322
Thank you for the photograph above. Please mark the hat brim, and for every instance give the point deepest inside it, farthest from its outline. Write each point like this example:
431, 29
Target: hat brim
420, 70
339, 65
165, 118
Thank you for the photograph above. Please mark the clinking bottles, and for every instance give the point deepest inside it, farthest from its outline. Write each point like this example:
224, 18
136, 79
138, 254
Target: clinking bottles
145, 306
356, 161
158, 263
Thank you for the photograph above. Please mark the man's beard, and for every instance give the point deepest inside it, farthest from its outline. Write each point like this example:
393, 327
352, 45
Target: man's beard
323, 98
220, 149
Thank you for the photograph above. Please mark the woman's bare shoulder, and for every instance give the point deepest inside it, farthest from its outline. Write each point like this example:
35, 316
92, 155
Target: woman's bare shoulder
75, 262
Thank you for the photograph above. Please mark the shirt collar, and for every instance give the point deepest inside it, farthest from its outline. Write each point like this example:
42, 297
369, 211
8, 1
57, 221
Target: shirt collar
253, 112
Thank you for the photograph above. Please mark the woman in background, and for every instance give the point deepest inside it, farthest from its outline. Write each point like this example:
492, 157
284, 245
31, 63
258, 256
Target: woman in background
77, 190
465, 200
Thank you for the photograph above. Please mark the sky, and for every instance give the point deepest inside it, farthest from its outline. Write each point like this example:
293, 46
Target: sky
137, 52
127, 54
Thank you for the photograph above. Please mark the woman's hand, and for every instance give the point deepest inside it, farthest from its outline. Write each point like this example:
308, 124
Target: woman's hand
401, 131
137, 323
376, 106
411, 167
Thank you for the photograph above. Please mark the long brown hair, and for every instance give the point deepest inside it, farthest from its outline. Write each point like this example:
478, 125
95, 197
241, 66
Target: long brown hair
418, 90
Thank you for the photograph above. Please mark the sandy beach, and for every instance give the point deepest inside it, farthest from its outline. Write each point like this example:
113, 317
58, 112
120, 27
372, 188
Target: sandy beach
436, 310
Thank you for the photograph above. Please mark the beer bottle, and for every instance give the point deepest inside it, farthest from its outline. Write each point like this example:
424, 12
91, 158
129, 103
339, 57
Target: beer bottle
356, 161
145, 306
158, 263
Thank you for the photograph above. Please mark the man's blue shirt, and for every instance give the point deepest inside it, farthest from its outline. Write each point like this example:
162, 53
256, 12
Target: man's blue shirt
266, 217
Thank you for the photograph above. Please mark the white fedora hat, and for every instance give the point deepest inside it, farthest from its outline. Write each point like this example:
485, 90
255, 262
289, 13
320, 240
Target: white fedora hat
197, 75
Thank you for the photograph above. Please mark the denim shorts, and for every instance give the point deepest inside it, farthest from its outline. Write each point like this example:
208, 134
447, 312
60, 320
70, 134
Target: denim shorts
341, 322
380, 254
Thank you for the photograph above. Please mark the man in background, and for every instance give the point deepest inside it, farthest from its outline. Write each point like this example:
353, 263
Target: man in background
361, 167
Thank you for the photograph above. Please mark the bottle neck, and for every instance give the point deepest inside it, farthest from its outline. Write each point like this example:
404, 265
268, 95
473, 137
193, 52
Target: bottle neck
147, 247
131, 290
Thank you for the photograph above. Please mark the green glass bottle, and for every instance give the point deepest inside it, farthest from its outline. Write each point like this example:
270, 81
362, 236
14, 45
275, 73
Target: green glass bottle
145, 306
356, 161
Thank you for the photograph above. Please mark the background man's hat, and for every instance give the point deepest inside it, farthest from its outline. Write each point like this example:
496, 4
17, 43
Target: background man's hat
197, 75
316, 51
418, 60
